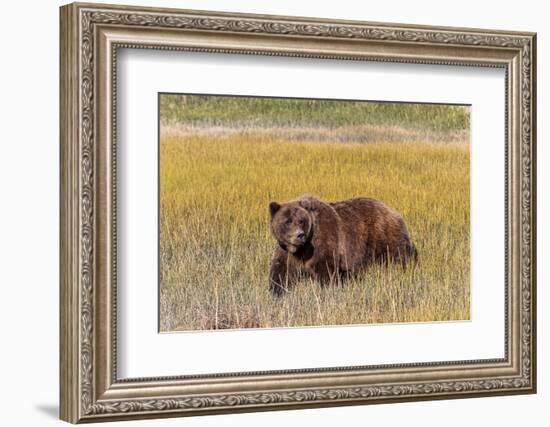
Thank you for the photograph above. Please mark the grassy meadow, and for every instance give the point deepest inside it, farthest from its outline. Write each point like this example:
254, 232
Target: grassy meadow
223, 159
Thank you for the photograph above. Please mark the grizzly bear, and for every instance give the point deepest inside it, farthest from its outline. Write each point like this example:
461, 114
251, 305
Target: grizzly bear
324, 240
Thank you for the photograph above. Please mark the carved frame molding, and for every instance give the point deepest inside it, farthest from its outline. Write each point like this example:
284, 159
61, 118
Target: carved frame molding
90, 36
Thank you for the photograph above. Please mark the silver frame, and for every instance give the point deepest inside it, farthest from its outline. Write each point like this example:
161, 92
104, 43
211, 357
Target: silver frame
90, 37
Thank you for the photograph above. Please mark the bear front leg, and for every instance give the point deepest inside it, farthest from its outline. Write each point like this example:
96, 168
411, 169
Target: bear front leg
324, 273
282, 272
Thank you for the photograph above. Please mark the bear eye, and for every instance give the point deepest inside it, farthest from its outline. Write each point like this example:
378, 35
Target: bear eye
289, 221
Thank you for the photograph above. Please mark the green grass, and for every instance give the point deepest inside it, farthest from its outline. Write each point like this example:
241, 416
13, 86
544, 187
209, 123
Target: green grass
271, 112
215, 245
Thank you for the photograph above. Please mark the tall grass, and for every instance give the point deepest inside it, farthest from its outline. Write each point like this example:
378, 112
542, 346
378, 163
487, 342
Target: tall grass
215, 245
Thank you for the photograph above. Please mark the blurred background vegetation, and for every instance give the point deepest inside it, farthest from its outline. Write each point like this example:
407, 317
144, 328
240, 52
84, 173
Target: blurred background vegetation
233, 111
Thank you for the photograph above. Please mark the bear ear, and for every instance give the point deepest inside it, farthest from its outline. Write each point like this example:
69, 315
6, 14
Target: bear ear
273, 208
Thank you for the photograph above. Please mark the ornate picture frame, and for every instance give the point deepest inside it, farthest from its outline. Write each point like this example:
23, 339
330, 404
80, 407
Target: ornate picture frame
90, 37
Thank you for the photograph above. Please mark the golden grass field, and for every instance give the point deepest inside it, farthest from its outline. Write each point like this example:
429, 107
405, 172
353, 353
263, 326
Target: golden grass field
215, 245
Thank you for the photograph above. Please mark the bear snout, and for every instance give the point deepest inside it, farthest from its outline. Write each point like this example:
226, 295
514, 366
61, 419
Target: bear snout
299, 237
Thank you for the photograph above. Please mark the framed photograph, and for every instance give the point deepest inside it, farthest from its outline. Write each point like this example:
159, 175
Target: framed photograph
266, 212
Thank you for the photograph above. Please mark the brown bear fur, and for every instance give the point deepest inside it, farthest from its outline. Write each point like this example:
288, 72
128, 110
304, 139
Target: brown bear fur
325, 239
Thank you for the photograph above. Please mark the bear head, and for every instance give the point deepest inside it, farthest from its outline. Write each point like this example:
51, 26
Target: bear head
292, 224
